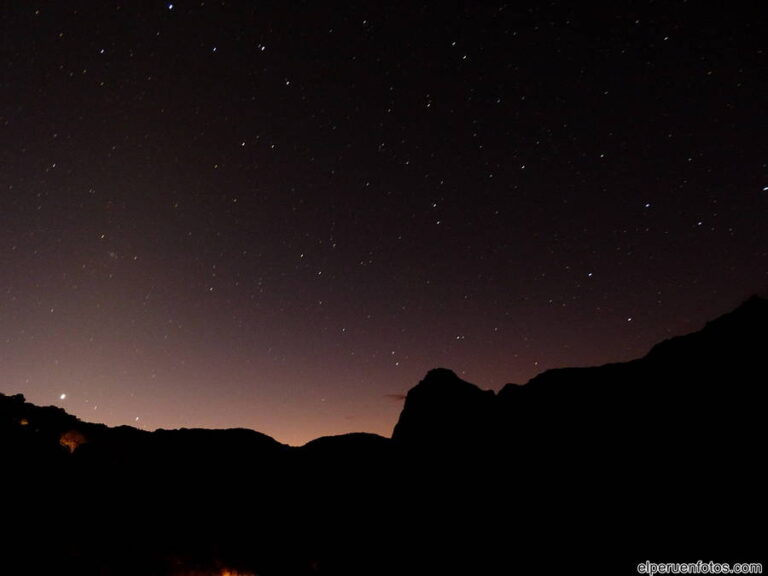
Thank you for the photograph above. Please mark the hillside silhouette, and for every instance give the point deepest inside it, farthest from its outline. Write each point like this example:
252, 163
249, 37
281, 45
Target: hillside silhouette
657, 458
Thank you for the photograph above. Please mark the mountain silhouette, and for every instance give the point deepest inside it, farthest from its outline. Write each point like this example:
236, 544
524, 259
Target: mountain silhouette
652, 459
444, 410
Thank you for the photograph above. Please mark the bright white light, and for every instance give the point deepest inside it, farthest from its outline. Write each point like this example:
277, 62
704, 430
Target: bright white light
63, 397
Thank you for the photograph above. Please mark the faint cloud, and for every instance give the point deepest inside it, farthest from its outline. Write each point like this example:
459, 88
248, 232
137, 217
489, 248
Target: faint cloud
395, 397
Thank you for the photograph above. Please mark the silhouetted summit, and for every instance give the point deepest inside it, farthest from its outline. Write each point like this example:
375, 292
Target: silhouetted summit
656, 458
442, 410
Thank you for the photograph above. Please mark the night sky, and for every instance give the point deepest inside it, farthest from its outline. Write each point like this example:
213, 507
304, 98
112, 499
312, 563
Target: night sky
280, 215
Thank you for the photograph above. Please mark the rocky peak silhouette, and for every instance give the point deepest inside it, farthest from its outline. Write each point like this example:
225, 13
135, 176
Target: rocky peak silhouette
442, 410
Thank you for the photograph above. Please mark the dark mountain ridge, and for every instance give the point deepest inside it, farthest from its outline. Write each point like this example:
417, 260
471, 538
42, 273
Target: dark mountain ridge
649, 459
705, 370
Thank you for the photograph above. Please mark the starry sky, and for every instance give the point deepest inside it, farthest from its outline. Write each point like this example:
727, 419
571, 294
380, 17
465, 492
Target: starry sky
280, 215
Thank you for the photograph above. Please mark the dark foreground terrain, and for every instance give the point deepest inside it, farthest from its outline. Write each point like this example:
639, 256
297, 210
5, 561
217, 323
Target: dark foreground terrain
587, 470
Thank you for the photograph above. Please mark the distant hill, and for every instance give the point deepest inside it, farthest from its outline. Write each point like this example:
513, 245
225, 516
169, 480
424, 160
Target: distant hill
654, 459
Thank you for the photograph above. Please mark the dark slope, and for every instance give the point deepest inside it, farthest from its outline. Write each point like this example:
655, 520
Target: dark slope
87, 499
657, 454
